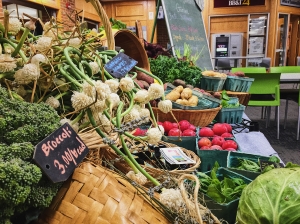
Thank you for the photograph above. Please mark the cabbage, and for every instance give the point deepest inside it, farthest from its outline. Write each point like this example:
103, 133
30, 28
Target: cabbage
272, 198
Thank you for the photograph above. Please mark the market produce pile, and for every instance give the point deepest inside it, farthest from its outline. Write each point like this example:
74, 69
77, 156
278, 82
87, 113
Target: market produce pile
59, 77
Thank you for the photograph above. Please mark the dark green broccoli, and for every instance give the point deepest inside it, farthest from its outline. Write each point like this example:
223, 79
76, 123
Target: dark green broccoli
22, 121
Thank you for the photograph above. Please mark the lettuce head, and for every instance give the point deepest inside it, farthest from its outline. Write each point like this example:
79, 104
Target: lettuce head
272, 198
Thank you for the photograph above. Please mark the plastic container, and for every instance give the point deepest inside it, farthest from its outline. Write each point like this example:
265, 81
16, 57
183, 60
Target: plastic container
212, 83
187, 142
234, 160
231, 115
224, 211
238, 84
209, 157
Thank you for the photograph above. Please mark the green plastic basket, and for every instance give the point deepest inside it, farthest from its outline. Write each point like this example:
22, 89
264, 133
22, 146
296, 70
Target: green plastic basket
212, 83
238, 84
224, 211
233, 162
231, 115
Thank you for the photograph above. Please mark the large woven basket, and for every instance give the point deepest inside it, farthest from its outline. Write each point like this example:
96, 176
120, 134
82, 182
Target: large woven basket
101, 154
199, 118
98, 195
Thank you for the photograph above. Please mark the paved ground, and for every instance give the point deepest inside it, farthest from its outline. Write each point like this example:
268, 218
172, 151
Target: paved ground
287, 147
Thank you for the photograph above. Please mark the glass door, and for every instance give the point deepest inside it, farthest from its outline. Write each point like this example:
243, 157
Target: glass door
282, 38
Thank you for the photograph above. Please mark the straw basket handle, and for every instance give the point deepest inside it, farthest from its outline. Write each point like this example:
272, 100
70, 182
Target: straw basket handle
193, 207
105, 20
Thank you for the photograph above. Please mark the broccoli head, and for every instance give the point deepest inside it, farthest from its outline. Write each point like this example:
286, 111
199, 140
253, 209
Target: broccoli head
22, 121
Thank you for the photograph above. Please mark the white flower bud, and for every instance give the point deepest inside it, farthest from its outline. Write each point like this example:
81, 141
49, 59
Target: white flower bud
165, 106
154, 136
126, 84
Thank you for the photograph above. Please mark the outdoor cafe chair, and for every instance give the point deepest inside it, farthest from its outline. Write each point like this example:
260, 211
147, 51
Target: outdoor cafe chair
265, 92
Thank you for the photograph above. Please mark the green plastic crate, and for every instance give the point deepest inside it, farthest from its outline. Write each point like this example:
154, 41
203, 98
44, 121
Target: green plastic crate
233, 161
187, 142
212, 83
224, 211
209, 157
238, 84
231, 115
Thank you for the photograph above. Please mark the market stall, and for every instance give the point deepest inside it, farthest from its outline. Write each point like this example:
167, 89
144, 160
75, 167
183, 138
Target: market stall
93, 134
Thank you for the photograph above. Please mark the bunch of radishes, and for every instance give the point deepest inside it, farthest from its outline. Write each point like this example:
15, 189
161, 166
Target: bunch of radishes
218, 137
182, 128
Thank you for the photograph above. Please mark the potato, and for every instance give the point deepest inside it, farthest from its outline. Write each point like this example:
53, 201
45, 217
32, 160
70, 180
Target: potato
186, 93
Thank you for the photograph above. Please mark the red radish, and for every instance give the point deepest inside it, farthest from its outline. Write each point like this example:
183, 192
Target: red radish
217, 147
219, 128
205, 148
229, 127
206, 132
229, 144
167, 126
139, 132
159, 123
175, 125
192, 127
204, 142
175, 132
184, 124
218, 140
188, 132
227, 135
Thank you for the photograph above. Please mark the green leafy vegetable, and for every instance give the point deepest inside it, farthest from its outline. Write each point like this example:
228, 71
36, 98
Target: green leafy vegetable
222, 191
246, 164
272, 198
168, 69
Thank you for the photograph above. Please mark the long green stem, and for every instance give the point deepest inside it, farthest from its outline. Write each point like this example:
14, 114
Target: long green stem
137, 165
21, 42
21, 53
115, 148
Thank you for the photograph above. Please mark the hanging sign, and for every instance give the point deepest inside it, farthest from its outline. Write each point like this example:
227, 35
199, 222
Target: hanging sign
120, 65
232, 3
60, 153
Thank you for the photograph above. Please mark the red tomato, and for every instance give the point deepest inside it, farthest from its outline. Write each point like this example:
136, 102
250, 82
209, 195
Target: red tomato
204, 142
229, 144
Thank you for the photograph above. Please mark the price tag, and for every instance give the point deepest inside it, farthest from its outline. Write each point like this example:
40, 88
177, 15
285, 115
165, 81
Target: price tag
120, 65
60, 153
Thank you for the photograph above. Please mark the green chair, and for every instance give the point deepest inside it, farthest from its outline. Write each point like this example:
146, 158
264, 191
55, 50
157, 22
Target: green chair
288, 94
265, 92
249, 69
285, 69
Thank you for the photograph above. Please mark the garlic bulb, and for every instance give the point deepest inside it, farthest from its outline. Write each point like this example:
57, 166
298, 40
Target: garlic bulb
165, 106
161, 128
14, 25
53, 102
95, 67
114, 100
142, 96
145, 113
137, 177
102, 90
154, 136
27, 74
126, 84
43, 44
98, 107
80, 100
134, 114
88, 89
155, 91
172, 198
113, 85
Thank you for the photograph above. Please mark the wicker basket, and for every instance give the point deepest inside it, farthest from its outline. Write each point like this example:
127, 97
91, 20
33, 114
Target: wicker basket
200, 118
98, 195
243, 97
102, 154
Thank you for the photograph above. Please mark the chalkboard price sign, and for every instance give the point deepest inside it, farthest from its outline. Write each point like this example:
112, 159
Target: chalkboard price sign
185, 26
60, 153
120, 65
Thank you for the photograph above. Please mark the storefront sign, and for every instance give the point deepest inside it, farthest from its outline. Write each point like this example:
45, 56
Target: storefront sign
295, 3
232, 3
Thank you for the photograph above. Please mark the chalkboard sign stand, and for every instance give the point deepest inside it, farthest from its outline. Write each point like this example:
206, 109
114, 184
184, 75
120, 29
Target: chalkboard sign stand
60, 153
185, 25
120, 65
